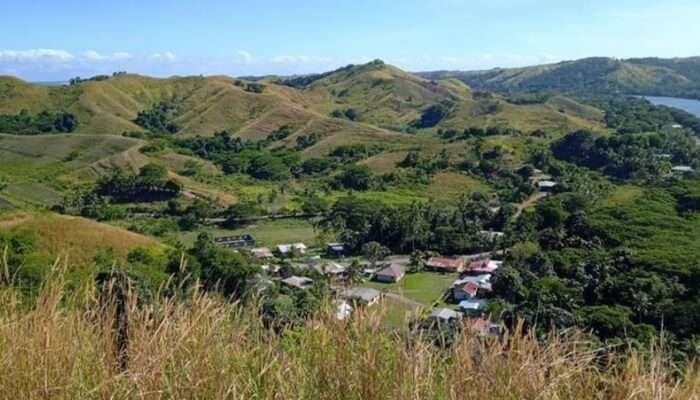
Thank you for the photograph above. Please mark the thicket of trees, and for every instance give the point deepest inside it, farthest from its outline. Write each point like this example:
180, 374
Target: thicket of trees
577, 263
432, 115
158, 119
421, 226
25, 123
628, 156
150, 184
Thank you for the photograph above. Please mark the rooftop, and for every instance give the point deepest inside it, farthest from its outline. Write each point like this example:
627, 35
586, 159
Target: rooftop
445, 314
394, 270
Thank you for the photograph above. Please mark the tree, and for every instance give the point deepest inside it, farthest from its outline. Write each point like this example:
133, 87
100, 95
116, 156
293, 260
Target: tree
374, 252
354, 272
152, 173
356, 177
270, 168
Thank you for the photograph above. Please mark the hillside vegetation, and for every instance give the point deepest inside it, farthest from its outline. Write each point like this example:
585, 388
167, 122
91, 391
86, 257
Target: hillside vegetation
646, 76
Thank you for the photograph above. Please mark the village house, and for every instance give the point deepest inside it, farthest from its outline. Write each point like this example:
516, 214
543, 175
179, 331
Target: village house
444, 264
235, 241
286, 250
343, 310
362, 296
464, 290
392, 273
492, 235
682, 169
336, 250
483, 327
262, 253
546, 186
270, 268
473, 307
443, 315
298, 282
331, 269
482, 267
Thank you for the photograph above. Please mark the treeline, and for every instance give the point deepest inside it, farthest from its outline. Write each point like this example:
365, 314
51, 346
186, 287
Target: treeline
150, 184
638, 115
25, 123
626, 156
448, 229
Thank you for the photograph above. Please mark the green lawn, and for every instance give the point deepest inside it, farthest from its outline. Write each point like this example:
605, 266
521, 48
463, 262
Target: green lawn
268, 233
424, 287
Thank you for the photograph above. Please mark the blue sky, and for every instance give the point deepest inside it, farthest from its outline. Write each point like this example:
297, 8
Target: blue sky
54, 40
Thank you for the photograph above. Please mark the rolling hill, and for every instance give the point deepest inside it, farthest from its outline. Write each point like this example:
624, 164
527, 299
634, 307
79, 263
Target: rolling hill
645, 76
382, 96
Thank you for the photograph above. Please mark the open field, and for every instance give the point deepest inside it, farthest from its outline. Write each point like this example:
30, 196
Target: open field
426, 288
267, 233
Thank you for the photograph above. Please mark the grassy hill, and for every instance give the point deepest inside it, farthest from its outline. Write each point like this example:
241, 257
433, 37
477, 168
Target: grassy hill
381, 95
39, 169
79, 239
648, 76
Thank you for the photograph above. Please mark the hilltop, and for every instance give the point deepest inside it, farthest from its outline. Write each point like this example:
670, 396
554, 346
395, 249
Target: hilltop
678, 77
369, 99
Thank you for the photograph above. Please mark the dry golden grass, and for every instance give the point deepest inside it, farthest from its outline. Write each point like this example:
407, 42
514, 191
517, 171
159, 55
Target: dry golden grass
77, 238
61, 347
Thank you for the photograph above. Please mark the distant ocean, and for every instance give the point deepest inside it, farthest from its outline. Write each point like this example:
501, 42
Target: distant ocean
689, 105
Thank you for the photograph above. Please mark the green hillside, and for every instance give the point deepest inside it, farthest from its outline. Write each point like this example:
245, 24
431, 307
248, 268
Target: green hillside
373, 94
648, 76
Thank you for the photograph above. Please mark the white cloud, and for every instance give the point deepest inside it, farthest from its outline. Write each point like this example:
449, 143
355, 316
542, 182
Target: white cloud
164, 56
245, 56
300, 59
33, 55
93, 55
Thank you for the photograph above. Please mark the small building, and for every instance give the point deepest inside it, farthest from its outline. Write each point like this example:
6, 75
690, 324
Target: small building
298, 282
262, 253
443, 315
444, 264
546, 186
336, 250
682, 169
286, 250
343, 310
392, 273
484, 327
235, 241
492, 235
368, 273
677, 126
539, 177
482, 267
363, 296
271, 268
483, 281
473, 307
465, 291
331, 269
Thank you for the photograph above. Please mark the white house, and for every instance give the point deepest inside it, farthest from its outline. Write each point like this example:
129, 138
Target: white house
289, 249
298, 282
473, 307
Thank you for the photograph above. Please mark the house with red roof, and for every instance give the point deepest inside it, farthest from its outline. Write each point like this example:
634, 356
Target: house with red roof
465, 290
445, 264
480, 267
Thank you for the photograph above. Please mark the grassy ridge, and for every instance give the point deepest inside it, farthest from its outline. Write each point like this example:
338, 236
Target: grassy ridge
206, 348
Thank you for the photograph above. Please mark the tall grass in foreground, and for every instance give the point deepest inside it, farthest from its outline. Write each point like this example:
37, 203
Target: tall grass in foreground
205, 348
